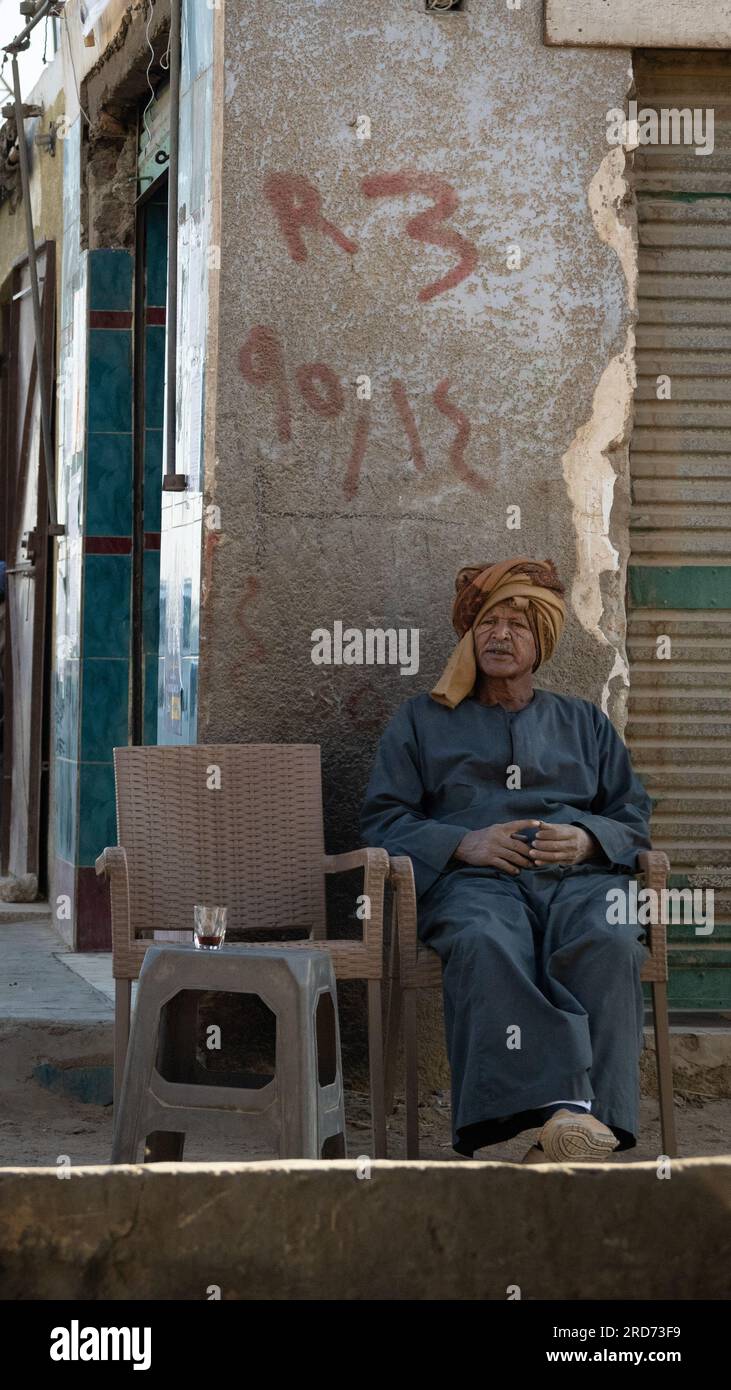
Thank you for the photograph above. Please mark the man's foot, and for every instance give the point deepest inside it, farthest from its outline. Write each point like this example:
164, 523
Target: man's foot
571, 1138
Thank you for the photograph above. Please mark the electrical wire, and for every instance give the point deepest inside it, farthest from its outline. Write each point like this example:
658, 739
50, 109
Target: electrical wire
73, 68
164, 64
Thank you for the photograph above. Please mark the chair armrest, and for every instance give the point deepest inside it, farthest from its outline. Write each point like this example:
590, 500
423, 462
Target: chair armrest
404, 888
114, 857
655, 865
126, 959
374, 863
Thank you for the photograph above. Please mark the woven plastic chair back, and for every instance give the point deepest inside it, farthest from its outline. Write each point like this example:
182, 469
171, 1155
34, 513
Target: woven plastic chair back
231, 824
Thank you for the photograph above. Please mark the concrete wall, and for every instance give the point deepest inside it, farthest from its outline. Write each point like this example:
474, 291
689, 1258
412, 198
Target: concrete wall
672, 24
537, 358
517, 381
46, 176
350, 1230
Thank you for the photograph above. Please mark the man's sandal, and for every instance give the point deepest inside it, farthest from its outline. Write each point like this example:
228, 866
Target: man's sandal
571, 1138
535, 1155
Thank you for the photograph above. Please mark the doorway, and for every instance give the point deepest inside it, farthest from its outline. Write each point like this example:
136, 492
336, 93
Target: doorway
149, 409
25, 541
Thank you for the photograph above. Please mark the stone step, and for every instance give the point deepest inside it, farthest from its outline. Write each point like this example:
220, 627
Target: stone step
11, 914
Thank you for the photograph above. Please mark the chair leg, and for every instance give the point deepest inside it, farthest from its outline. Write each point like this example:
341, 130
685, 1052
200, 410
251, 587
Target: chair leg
375, 1062
394, 1005
412, 1074
122, 1012
664, 1066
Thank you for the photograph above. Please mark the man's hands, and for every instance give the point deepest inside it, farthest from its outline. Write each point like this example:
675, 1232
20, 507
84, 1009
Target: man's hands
562, 844
498, 848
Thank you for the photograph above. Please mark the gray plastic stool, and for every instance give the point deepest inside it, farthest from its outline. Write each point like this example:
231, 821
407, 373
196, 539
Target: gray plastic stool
300, 1109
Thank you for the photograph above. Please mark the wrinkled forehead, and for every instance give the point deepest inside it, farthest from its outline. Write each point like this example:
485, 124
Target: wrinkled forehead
511, 608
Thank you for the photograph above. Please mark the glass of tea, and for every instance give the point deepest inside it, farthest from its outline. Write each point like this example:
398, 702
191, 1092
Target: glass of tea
209, 929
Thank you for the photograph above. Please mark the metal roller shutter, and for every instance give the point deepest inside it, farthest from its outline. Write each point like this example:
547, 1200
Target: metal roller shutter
679, 727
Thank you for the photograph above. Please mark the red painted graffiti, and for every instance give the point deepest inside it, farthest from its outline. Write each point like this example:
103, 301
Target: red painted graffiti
261, 361
406, 415
210, 545
442, 402
332, 401
252, 589
298, 204
357, 453
426, 226
322, 391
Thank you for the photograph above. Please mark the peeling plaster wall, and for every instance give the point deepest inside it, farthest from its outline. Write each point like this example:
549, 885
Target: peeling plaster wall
596, 464
513, 386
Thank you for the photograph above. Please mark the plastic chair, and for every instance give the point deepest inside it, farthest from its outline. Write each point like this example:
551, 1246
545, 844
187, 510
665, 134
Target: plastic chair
239, 825
414, 967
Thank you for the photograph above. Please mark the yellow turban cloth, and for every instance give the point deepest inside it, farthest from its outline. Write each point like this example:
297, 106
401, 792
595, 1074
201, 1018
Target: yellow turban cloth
537, 588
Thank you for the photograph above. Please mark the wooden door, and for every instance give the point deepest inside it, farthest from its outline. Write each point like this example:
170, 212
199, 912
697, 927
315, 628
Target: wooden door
26, 552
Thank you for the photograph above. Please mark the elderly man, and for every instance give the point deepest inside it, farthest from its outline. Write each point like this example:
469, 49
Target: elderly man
520, 810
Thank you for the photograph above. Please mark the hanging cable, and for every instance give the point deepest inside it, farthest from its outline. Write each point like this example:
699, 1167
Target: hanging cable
164, 64
73, 68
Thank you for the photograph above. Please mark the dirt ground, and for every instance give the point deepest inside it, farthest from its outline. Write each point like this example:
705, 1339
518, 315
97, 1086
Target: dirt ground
38, 1127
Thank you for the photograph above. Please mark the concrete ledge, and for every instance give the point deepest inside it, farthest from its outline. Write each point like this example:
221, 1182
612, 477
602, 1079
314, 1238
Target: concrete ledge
701, 1063
13, 913
26, 1044
628, 24
302, 1230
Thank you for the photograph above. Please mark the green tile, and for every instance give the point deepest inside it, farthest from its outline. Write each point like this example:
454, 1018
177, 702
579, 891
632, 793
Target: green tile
110, 274
104, 707
151, 602
107, 599
97, 813
153, 480
109, 485
154, 377
156, 253
110, 380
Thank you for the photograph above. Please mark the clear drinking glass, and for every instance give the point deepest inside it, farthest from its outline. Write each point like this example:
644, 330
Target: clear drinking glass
210, 927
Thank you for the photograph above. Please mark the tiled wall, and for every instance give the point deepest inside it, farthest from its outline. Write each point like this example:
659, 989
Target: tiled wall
93, 580
106, 626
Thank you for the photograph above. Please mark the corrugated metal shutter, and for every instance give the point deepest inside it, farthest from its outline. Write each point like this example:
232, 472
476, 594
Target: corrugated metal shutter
679, 727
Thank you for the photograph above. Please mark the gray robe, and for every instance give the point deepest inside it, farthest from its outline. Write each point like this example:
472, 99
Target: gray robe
542, 997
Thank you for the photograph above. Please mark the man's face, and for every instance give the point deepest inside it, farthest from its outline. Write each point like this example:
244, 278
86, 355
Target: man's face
504, 643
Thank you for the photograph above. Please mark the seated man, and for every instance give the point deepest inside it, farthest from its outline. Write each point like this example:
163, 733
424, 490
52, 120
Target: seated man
520, 810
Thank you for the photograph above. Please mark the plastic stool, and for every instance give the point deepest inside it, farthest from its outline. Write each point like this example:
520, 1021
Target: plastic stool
299, 1109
